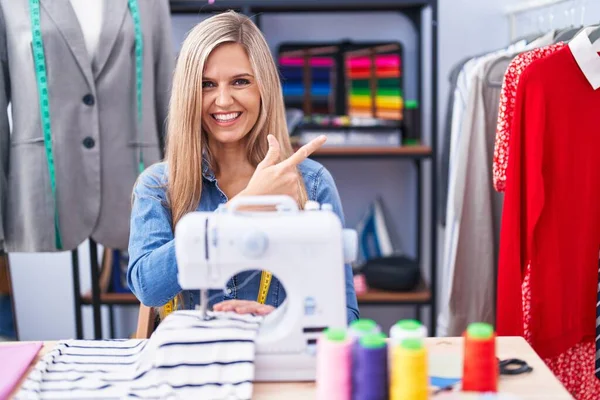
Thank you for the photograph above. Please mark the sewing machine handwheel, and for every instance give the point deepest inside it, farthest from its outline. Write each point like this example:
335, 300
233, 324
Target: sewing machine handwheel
254, 244
286, 201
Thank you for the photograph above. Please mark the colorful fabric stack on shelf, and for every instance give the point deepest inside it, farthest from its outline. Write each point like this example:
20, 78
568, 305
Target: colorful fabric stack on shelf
293, 82
385, 76
361, 363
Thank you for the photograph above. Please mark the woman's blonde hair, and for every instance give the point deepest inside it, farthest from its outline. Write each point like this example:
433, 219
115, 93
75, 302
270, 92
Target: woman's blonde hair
186, 141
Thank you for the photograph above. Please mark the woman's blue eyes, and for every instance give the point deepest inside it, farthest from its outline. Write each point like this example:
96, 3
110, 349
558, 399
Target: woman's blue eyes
237, 82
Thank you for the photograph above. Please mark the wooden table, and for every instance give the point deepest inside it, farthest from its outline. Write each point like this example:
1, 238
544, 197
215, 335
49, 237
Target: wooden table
539, 384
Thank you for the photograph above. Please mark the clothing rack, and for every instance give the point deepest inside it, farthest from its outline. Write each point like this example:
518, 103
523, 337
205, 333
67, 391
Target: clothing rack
514, 11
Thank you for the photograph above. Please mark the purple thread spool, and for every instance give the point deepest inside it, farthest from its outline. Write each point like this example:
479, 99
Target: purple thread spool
371, 369
358, 329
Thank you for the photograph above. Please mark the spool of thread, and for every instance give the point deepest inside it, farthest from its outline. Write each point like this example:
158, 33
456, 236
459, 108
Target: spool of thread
371, 368
361, 327
403, 329
357, 330
480, 367
333, 369
407, 328
409, 371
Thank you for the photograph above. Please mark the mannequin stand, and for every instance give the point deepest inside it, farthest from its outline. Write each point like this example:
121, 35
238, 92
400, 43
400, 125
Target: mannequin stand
95, 277
102, 290
95, 274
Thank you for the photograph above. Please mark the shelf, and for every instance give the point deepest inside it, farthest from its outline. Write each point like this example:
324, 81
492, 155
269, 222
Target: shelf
402, 152
421, 295
111, 298
295, 5
385, 127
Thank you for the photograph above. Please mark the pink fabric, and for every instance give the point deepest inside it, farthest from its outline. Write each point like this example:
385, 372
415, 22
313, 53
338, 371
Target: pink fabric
16, 359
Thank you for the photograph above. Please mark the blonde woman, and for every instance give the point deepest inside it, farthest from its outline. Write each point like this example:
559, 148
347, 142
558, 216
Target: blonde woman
227, 137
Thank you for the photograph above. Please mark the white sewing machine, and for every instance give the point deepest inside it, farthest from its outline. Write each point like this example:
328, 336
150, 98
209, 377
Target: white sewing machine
305, 249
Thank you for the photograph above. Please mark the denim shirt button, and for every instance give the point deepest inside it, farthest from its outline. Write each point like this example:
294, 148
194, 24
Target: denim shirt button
228, 290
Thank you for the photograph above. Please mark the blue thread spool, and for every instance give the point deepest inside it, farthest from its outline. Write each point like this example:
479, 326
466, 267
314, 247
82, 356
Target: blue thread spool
371, 370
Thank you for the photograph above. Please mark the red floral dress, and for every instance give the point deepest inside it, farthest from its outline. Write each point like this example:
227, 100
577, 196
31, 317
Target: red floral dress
506, 110
575, 367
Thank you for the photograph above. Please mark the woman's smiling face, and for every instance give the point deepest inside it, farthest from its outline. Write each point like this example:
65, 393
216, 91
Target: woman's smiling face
230, 94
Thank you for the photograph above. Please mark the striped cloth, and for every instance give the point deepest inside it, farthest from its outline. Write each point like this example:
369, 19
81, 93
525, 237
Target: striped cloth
186, 357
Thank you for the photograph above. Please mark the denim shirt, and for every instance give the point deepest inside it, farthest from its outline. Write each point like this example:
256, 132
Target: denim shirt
152, 269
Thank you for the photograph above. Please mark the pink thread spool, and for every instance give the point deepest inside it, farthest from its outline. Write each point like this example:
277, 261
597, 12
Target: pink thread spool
334, 369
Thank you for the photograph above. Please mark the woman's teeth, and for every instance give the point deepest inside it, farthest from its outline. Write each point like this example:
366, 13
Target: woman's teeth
226, 117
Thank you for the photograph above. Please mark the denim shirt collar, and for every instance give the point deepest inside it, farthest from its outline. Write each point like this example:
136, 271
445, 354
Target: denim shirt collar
207, 171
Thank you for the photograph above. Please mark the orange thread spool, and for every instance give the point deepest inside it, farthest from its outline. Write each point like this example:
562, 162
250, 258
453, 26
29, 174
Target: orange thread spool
480, 366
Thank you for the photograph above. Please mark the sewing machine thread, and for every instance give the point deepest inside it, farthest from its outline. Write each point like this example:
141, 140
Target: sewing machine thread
480, 366
409, 371
358, 329
370, 367
403, 329
407, 328
333, 369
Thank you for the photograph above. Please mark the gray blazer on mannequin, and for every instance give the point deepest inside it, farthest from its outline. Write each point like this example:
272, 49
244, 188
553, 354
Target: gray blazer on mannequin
93, 116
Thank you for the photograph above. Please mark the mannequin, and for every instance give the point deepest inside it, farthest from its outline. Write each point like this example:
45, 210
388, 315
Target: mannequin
88, 82
99, 138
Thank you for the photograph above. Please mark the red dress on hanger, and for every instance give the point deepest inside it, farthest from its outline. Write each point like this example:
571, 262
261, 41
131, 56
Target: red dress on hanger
532, 204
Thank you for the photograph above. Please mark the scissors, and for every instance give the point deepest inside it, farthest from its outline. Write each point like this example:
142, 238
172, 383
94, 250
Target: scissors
514, 366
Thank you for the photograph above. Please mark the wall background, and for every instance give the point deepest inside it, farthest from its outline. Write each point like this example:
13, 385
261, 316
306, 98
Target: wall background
42, 282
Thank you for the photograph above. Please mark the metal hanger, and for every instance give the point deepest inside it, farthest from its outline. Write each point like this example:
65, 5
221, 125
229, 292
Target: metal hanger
567, 34
528, 38
594, 35
504, 61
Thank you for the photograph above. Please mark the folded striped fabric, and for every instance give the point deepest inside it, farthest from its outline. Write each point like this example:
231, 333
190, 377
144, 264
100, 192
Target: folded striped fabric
186, 357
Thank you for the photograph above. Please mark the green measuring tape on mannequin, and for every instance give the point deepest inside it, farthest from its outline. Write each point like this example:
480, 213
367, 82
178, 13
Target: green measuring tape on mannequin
39, 59
139, 70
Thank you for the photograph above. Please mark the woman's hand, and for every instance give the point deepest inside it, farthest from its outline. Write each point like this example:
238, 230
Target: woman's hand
244, 307
272, 177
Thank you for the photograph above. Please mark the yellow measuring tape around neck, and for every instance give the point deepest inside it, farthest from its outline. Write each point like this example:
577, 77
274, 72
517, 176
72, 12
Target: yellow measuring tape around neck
265, 283
170, 306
